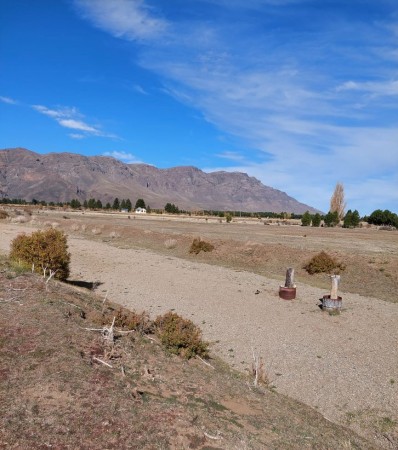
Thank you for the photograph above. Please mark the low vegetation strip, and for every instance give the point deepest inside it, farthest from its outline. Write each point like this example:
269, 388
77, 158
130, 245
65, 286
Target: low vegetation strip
65, 385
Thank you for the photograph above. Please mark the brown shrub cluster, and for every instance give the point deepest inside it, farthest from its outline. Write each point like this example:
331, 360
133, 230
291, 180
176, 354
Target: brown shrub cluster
3, 214
198, 246
180, 336
323, 263
43, 251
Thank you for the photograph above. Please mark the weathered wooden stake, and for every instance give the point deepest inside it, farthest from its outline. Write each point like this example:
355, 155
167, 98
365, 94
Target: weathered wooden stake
289, 283
335, 285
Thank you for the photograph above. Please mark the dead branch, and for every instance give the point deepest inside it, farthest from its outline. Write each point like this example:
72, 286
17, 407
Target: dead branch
215, 438
16, 289
151, 338
72, 304
103, 303
205, 362
108, 333
52, 273
102, 362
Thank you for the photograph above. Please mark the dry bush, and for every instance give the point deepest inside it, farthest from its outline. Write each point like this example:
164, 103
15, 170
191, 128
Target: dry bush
323, 263
96, 231
180, 336
43, 251
198, 245
124, 319
75, 227
114, 234
84, 227
54, 225
3, 214
20, 219
170, 243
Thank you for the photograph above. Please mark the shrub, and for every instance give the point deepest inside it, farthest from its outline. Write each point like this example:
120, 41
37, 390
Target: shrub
228, 217
3, 214
20, 219
323, 263
43, 251
198, 245
180, 336
170, 243
124, 319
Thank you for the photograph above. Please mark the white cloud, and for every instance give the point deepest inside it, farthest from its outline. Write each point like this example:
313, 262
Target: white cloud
277, 93
385, 88
127, 158
77, 125
127, 19
76, 136
8, 100
231, 156
71, 118
140, 89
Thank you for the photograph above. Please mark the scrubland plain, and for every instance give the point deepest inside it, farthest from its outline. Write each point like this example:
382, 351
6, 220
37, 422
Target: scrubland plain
344, 366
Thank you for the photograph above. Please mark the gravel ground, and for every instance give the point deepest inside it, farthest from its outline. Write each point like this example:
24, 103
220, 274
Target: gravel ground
338, 364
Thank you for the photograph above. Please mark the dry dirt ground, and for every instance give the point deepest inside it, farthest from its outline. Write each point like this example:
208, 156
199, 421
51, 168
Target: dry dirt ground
345, 366
63, 387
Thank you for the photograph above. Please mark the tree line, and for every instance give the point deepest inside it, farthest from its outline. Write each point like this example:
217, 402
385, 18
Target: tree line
334, 217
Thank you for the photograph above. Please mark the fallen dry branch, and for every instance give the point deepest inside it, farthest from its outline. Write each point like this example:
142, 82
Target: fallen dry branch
215, 438
205, 362
102, 362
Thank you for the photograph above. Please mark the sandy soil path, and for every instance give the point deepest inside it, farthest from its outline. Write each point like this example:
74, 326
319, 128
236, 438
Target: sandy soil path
337, 364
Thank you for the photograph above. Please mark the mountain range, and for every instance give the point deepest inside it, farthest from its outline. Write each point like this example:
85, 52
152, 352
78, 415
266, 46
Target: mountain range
60, 177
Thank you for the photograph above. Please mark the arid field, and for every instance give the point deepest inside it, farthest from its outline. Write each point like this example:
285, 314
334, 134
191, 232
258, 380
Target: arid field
344, 366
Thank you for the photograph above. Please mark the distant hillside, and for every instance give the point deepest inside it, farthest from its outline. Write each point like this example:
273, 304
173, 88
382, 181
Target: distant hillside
63, 176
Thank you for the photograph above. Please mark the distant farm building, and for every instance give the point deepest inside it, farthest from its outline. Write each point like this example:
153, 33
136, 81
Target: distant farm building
140, 211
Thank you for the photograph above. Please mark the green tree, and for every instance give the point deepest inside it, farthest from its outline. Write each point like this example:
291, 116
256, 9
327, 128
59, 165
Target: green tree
98, 204
386, 217
85, 204
129, 206
75, 204
316, 220
355, 219
140, 203
332, 219
108, 205
91, 203
171, 208
348, 219
123, 204
116, 204
306, 219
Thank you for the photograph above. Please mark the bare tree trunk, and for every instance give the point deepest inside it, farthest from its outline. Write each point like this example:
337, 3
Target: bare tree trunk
289, 283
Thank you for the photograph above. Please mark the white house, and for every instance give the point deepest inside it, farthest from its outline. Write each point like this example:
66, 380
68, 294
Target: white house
140, 211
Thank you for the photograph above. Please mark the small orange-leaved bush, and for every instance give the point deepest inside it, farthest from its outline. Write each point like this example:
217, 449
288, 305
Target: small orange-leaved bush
45, 252
323, 263
180, 336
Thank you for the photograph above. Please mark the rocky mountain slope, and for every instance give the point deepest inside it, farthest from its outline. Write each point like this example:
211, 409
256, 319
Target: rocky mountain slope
63, 176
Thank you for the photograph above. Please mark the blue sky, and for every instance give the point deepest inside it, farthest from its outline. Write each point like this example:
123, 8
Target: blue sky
301, 94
